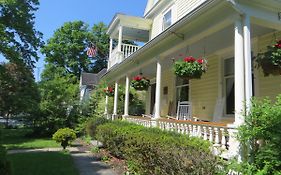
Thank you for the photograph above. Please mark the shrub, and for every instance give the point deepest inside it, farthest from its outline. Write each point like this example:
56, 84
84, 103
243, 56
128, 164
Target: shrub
64, 136
153, 151
93, 123
5, 168
261, 137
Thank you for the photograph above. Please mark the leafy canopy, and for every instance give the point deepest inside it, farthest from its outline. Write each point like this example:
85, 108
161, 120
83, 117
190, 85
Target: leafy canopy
19, 40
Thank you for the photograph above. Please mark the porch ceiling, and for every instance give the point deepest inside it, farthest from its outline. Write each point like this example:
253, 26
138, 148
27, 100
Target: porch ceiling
204, 34
134, 28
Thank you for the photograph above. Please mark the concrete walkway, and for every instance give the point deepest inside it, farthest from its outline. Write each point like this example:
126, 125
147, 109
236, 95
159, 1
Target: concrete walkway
84, 161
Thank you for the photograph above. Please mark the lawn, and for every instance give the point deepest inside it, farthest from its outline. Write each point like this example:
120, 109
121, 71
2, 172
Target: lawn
46, 163
17, 139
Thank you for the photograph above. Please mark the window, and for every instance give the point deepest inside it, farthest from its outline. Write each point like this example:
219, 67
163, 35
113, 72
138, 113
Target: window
229, 86
182, 88
167, 19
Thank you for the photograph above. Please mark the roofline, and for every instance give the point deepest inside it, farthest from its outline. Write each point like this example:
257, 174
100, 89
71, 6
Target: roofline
161, 36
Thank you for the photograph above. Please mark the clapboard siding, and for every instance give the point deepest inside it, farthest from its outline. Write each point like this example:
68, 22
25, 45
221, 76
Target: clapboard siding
204, 92
269, 86
185, 6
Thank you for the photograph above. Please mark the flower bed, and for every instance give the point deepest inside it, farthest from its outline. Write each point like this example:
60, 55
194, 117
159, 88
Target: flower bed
140, 83
190, 67
270, 61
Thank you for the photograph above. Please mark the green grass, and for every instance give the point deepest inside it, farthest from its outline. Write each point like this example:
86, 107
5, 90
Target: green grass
17, 139
47, 163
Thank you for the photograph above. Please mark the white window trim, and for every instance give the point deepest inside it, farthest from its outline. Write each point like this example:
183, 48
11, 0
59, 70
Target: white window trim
173, 14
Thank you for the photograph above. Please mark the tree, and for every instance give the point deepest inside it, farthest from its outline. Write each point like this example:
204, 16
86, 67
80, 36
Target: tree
18, 90
59, 102
68, 46
19, 41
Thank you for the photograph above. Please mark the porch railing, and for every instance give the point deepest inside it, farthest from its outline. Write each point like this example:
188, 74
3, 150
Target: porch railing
216, 133
126, 51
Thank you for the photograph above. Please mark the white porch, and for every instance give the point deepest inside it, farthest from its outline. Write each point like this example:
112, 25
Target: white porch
204, 32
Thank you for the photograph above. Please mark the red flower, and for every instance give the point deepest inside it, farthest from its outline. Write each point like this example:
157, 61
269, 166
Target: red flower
110, 89
200, 61
189, 59
137, 78
278, 45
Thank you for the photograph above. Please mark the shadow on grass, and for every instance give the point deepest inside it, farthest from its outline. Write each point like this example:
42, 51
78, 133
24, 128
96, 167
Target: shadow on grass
45, 163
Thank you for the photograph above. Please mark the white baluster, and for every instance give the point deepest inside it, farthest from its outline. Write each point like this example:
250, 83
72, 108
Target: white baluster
194, 130
223, 140
217, 140
190, 130
211, 134
199, 132
182, 128
178, 128
185, 128
205, 137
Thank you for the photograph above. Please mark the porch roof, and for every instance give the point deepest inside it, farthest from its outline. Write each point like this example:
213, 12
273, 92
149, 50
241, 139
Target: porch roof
180, 33
134, 28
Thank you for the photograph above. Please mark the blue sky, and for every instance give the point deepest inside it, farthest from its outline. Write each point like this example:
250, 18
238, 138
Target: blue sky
53, 13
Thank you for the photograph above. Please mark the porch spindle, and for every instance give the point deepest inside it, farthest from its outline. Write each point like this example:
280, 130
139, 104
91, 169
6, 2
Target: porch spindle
205, 137
211, 134
126, 106
223, 139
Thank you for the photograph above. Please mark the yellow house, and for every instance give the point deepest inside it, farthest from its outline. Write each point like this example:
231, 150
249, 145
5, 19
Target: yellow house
228, 33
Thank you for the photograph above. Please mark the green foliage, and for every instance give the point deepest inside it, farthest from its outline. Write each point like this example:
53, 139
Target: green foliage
140, 83
105, 158
19, 41
18, 91
93, 123
64, 136
153, 151
190, 68
43, 163
261, 137
5, 168
59, 104
67, 48
95, 149
96, 104
270, 61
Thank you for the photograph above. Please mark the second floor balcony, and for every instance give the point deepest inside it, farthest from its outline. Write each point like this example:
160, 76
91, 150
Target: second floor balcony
129, 28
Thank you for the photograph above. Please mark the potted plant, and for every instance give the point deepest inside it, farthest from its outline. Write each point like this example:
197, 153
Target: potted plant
270, 61
190, 67
109, 91
140, 83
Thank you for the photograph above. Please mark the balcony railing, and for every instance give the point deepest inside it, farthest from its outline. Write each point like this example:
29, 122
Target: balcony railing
126, 51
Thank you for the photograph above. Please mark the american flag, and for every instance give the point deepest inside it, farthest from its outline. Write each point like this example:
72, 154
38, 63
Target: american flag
92, 51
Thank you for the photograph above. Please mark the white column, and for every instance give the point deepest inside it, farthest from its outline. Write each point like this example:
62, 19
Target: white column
110, 47
158, 91
127, 90
115, 99
248, 61
120, 38
106, 106
239, 73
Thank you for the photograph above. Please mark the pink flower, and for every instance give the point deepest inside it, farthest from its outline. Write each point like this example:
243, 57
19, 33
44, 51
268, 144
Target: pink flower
278, 45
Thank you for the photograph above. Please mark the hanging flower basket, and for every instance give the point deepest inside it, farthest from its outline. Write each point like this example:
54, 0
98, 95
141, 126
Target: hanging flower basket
190, 67
140, 83
270, 61
109, 91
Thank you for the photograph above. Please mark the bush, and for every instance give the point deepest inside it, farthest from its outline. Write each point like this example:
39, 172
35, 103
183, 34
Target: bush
93, 123
153, 151
5, 168
64, 136
261, 137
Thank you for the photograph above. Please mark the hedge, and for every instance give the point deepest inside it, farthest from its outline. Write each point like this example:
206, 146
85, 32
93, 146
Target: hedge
153, 151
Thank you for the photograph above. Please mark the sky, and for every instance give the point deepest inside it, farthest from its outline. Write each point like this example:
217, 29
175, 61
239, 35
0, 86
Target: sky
53, 13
